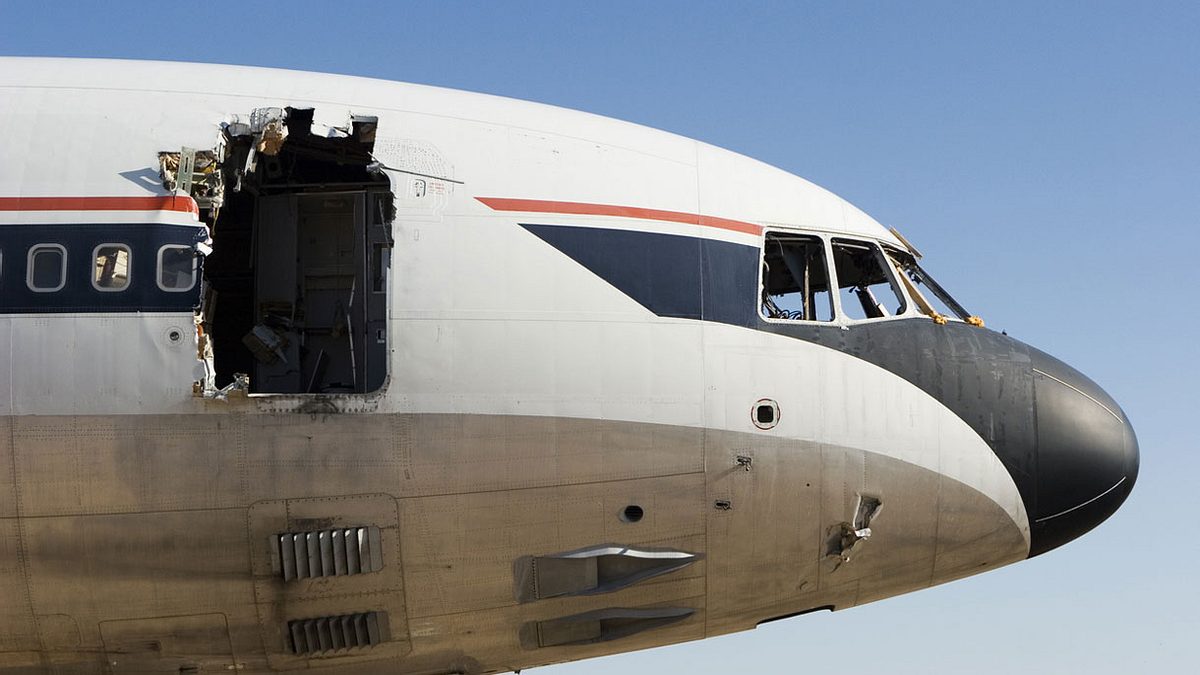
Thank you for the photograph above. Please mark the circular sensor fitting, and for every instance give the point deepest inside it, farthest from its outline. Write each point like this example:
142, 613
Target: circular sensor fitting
632, 513
765, 413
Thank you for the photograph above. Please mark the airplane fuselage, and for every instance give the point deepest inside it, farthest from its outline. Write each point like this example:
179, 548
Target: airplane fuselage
318, 371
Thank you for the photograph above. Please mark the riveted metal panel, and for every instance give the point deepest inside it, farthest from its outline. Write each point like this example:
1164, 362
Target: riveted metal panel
309, 609
16, 615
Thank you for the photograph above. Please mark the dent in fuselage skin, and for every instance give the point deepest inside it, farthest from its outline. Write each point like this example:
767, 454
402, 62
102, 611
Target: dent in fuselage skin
770, 555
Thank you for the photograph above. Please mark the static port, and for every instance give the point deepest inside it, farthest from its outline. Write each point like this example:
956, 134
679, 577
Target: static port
632, 513
765, 413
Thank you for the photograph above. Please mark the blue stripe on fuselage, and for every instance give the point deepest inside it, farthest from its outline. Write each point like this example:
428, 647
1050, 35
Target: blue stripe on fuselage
80, 241
984, 377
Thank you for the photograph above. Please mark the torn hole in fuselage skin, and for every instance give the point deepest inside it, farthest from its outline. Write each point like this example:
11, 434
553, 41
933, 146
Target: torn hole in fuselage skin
306, 311
868, 507
846, 538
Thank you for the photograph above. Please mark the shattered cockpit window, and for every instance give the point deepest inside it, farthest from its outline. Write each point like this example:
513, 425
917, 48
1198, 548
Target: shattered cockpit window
931, 298
795, 284
867, 287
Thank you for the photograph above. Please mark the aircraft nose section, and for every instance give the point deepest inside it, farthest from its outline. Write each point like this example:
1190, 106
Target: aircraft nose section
1087, 454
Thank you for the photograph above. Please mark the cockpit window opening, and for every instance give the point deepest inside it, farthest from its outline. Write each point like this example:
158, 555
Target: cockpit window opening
47, 268
937, 302
110, 271
868, 288
795, 278
176, 268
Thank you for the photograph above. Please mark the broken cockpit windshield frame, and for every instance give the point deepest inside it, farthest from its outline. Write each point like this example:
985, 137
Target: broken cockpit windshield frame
929, 296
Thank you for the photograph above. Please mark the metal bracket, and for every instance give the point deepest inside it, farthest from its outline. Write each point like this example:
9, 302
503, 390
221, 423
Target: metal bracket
241, 383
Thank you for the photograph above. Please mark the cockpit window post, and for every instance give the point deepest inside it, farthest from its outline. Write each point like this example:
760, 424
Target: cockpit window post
798, 281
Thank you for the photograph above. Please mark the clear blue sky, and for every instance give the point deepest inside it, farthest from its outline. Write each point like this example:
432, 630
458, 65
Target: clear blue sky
1044, 156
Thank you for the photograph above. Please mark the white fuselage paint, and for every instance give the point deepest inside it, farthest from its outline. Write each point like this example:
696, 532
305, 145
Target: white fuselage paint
491, 330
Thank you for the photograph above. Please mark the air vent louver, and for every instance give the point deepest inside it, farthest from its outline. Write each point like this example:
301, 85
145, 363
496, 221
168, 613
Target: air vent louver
335, 633
600, 625
328, 553
592, 570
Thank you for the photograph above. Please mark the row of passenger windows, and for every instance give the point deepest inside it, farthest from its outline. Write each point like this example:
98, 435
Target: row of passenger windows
111, 267
797, 284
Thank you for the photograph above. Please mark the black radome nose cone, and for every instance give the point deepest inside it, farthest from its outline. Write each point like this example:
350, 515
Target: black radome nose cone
1087, 454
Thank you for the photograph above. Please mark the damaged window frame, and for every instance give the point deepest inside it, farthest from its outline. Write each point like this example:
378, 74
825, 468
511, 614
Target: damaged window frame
910, 305
888, 269
912, 276
763, 299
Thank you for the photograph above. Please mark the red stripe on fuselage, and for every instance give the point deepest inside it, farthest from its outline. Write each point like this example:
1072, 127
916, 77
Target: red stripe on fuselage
180, 204
584, 209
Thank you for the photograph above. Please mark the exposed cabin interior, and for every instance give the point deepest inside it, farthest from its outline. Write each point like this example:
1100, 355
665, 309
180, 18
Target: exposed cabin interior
297, 282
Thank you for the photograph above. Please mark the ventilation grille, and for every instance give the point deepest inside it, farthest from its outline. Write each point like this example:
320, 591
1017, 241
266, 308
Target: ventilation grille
334, 633
328, 553
592, 570
600, 625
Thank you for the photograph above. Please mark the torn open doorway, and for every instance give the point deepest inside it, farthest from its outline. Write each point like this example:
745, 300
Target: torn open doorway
297, 283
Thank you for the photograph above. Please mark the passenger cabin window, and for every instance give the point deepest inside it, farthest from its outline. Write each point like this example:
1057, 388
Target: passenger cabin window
47, 269
110, 271
868, 288
795, 285
176, 268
